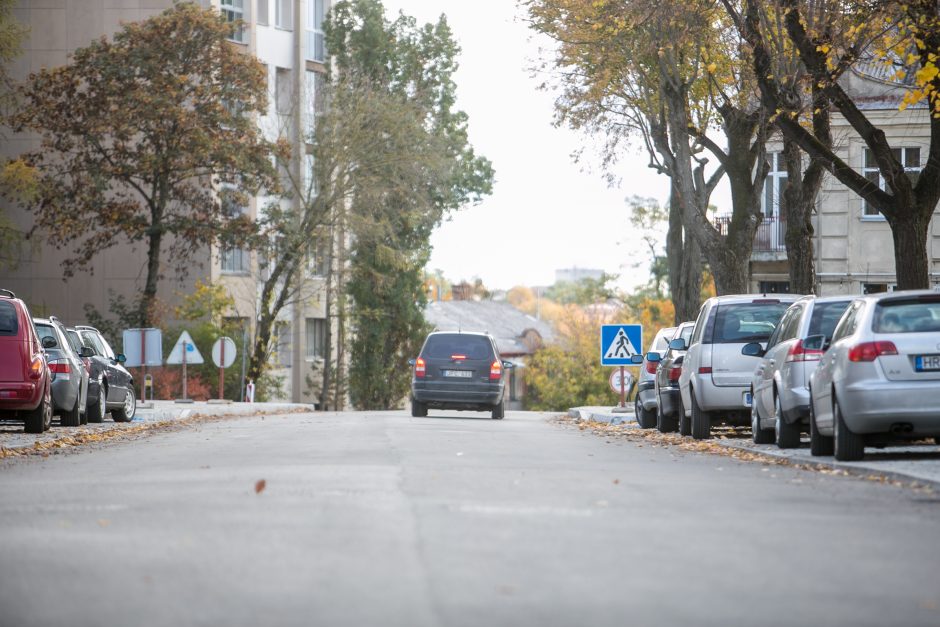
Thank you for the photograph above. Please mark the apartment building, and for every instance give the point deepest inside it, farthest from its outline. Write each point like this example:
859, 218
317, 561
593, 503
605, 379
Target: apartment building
287, 37
853, 247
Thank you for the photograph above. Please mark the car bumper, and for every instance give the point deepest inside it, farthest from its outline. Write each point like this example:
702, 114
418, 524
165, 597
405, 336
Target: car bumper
447, 395
874, 406
64, 395
716, 398
669, 401
20, 396
795, 404
646, 392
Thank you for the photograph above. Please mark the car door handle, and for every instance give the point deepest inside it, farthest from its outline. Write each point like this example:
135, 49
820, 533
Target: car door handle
771, 361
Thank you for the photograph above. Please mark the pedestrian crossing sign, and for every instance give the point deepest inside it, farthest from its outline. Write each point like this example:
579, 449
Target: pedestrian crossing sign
620, 342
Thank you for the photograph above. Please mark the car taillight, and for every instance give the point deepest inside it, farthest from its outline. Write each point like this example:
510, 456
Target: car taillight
458, 357
419, 368
675, 373
798, 353
705, 370
496, 370
60, 367
870, 351
651, 367
36, 367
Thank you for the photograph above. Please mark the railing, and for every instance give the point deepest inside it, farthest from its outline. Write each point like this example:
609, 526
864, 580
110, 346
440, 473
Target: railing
770, 236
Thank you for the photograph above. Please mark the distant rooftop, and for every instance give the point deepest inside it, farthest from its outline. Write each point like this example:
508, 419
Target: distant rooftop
514, 331
573, 275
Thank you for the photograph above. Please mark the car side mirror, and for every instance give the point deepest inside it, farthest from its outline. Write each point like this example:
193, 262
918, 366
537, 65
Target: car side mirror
49, 342
678, 344
508, 365
816, 343
754, 349
120, 358
654, 357
411, 362
86, 351
636, 359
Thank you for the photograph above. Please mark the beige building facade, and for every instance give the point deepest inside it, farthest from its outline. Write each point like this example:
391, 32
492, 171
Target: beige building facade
286, 36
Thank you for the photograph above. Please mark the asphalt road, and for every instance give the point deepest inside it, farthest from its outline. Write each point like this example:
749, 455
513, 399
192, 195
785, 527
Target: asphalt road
384, 519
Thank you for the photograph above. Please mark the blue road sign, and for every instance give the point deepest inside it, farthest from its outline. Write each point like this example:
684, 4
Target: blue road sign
620, 342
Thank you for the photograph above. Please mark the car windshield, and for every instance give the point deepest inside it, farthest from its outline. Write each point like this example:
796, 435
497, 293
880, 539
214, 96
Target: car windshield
918, 315
8, 325
825, 317
471, 346
91, 341
686, 333
747, 322
74, 340
662, 341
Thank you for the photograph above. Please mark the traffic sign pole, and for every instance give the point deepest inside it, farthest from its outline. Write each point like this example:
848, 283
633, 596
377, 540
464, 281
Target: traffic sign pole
623, 388
222, 370
184, 371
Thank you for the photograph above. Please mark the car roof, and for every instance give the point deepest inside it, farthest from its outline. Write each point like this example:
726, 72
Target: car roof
897, 295
828, 299
479, 333
732, 299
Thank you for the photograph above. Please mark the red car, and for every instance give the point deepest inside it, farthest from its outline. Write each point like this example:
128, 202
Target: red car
25, 381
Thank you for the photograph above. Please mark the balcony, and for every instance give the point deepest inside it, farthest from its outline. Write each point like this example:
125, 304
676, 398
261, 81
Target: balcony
769, 238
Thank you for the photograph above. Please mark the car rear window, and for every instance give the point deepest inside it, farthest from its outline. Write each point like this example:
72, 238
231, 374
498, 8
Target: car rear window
746, 322
662, 341
44, 331
471, 346
916, 315
826, 316
8, 323
75, 341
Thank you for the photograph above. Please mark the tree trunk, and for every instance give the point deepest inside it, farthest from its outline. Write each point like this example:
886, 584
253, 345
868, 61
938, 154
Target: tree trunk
731, 275
797, 210
910, 251
684, 257
149, 297
328, 348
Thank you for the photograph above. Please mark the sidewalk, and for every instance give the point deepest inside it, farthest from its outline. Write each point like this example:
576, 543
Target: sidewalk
14, 442
920, 463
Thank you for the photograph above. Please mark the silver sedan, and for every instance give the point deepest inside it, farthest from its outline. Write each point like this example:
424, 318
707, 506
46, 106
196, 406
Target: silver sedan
879, 381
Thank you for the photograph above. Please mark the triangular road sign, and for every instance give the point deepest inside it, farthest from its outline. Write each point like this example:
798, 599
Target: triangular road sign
193, 356
621, 347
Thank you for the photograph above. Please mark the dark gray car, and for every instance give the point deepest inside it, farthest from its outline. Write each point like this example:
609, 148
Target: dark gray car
69, 376
667, 383
461, 371
107, 374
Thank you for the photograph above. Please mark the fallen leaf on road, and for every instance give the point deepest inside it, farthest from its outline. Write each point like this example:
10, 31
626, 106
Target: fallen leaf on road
260, 485
103, 522
616, 481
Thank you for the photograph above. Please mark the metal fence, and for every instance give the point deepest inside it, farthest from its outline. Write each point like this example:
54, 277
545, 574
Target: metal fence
770, 235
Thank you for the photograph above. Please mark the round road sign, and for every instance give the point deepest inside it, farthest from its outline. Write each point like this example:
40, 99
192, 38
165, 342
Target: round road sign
229, 352
616, 383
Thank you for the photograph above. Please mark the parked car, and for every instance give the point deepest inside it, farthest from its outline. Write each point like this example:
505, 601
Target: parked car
111, 386
69, 377
669, 415
715, 384
646, 404
25, 380
879, 381
459, 370
780, 386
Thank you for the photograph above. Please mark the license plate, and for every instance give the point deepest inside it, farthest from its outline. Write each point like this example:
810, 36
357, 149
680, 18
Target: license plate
460, 374
924, 363
747, 399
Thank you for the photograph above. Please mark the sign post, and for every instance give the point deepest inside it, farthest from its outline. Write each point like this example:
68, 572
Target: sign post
184, 352
619, 343
142, 348
223, 356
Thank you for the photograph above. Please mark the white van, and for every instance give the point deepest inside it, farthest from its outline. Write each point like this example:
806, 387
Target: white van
716, 378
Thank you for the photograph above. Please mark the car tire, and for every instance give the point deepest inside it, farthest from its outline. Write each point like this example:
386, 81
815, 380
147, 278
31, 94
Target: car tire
39, 419
128, 410
418, 409
819, 444
666, 424
73, 417
96, 412
848, 446
787, 434
685, 425
759, 435
701, 421
646, 419
499, 411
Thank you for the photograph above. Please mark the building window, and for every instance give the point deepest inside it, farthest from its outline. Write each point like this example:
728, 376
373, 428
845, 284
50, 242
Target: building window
316, 45
773, 287
310, 104
878, 288
263, 13
234, 10
282, 90
282, 14
908, 157
318, 257
282, 351
316, 338
775, 185
235, 260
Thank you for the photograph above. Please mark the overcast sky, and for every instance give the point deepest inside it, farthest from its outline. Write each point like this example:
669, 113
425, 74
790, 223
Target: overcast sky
546, 211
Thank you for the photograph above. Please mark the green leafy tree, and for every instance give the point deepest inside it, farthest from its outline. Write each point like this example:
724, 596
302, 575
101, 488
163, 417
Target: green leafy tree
13, 178
393, 210
139, 133
586, 291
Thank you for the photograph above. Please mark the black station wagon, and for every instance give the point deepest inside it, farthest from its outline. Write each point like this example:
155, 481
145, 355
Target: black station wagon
457, 370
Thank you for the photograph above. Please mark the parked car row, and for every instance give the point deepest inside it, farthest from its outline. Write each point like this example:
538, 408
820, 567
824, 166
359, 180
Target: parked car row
851, 372
49, 369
